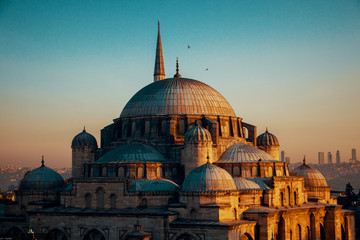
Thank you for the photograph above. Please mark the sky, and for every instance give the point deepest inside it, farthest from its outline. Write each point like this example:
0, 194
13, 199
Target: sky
291, 66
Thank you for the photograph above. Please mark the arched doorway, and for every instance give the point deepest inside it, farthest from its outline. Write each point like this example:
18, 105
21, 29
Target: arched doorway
94, 235
322, 232
281, 229
246, 236
56, 234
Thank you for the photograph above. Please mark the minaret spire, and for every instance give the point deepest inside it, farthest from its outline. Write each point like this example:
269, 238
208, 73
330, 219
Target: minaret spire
159, 71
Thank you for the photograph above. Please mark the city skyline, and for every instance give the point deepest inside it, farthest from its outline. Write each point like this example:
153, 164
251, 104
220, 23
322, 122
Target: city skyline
63, 62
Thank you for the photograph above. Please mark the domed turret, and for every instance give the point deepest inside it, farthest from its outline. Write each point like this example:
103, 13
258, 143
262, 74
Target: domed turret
42, 179
208, 177
312, 177
84, 139
197, 135
83, 146
269, 143
198, 145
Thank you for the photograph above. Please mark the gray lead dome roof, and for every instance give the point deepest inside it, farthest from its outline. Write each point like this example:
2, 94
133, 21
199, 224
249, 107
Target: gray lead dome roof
267, 139
243, 153
312, 177
177, 96
84, 139
208, 177
42, 179
132, 153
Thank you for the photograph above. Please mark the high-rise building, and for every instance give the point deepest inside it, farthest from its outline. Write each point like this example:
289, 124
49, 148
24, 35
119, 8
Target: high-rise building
321, 157
283, 156
337, 156
353, 156
329, 158
287, 159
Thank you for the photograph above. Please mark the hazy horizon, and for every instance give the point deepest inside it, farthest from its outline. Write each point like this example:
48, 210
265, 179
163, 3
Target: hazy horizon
293, 67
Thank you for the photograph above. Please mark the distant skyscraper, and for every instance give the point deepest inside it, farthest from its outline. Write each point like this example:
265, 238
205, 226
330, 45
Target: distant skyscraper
353, 155
287, 159
283, 156
337, 156
321, 157
329, 158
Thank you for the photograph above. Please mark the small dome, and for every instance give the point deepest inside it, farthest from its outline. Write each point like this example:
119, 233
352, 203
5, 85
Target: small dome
132, 153
267, 139
197, 134
244, 184
208, 177
84, 139
157, 185
312, 177
42, 179
243, 153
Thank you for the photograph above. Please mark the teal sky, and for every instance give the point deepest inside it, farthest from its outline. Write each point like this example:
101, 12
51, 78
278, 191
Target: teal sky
293, 66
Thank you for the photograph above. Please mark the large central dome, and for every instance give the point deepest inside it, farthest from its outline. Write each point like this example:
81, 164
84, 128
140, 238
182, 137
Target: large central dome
177, 96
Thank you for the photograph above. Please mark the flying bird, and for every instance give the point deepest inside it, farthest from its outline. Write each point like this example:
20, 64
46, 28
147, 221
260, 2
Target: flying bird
206, 69
188, 46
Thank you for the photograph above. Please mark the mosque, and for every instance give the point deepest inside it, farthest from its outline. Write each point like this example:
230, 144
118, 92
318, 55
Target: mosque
177, 164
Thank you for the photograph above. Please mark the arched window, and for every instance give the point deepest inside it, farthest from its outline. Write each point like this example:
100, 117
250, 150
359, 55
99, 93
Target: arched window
193, 213
140, 172
288, 195
133, 128
295, 200
121, 172
299, 232
147, 128
270, 171
159, 172
181, 127
100, 198
236, 171
104, 172
113, 201
88, 200
282, 199
94, 234
235, 214
254, 171
308, 236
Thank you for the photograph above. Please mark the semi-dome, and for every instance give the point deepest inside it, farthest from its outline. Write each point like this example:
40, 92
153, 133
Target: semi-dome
84, 139
177, 96
132, 153
208, 177
244, 184
197, 134
156, 185
243, 153
42, 179
312, 177
267, 139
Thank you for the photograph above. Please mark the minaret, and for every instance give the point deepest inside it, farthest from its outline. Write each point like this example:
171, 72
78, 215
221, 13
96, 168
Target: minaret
159, 70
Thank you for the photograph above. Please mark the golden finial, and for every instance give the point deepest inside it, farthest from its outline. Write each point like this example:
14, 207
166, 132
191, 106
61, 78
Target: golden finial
304, 160
177, 75
42, 161
208, 157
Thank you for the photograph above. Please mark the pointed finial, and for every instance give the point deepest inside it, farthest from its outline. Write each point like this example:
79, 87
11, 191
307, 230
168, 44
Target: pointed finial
159, 70
42, 161
177, 75
84, 129
266, 130
304, 160
208, 157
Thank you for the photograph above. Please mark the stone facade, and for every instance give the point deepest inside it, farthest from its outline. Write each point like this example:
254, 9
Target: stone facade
165, 170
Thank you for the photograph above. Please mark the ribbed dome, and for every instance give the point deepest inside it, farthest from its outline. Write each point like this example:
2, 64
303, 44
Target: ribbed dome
267, 139
243, 153
197, 134
177, 96
244, 184
208, 177
42, 179
84, 139
132, 153
312, 177
147, 185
